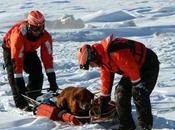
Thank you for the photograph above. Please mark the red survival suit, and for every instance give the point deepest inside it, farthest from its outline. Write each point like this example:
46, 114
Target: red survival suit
16, 41
113, 61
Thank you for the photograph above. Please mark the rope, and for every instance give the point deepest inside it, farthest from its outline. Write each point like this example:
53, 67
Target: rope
83, 117
33, 91
98, 117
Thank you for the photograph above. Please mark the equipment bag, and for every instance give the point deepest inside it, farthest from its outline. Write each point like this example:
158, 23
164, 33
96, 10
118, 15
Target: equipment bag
47, 110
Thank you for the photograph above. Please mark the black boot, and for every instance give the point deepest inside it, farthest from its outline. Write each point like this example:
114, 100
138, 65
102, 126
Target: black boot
20, 102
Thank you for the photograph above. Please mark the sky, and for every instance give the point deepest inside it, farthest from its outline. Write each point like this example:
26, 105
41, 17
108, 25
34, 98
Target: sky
75, 22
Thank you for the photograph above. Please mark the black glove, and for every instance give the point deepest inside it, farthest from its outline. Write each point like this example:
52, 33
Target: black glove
20, 85
104, 100
52, 81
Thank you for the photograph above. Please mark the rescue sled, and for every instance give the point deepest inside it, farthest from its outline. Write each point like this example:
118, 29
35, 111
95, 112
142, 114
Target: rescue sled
45, 106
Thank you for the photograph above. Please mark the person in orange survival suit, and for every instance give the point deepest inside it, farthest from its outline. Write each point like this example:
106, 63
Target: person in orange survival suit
19, 52
139, 67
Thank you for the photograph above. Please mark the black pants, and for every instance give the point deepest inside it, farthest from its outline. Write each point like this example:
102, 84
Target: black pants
124, 91
32, 66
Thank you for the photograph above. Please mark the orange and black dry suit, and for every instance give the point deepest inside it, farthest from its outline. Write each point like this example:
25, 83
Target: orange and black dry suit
136, 64
19, 51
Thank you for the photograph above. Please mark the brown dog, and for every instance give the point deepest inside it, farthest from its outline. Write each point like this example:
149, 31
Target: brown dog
76, 100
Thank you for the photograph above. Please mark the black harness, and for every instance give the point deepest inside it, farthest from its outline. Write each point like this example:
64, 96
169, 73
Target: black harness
115, 45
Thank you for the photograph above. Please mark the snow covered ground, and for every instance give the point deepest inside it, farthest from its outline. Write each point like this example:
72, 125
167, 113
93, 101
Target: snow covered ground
74, 22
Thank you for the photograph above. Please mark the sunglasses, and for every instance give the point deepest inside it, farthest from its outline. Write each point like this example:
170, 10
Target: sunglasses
36, 29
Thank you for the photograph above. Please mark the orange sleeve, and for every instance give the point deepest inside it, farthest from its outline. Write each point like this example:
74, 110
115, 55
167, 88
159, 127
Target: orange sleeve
17, 51
46, 54
106, 81
126, 62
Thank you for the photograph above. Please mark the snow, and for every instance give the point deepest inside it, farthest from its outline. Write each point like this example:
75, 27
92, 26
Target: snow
74, 22
65, 22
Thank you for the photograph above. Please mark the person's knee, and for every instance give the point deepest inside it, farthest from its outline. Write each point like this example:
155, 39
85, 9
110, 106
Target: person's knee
140, 94
40, 77
119, 92
37, 75
135, 92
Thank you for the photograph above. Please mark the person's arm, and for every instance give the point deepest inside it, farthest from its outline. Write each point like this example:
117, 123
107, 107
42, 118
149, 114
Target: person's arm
47, 58
107, 79
17, 56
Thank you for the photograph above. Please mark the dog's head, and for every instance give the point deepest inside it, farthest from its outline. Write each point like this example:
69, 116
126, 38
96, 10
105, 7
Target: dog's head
83, 98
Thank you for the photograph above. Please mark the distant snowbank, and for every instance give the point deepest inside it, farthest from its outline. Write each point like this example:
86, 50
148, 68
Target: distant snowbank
108, 16
65, 22
69, 22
